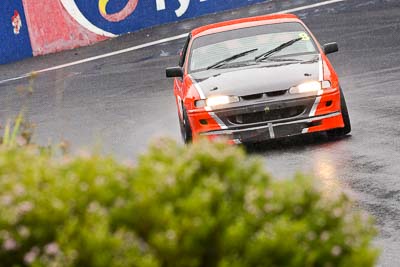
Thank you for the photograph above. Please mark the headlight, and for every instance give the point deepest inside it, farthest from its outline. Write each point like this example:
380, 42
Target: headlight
309, 87
221, 100
217, 101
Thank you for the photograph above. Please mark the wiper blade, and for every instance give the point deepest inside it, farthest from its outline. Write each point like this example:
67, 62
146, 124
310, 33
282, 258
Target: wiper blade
275, 59
226, 60
276, 49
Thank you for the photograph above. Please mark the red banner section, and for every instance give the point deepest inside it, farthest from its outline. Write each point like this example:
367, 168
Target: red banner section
52, 29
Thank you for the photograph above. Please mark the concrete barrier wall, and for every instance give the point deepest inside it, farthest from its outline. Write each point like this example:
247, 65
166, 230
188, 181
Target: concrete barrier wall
49, 26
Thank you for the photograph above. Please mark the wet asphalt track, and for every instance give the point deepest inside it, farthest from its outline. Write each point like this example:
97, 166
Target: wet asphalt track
124, 101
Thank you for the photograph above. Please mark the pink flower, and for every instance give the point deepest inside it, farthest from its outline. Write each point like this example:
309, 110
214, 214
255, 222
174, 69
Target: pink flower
25, 207
51, 249
31, 256
9, 244
6, 200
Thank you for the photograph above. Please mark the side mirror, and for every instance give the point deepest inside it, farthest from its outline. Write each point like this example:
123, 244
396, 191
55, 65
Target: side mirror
330, 48
174, 72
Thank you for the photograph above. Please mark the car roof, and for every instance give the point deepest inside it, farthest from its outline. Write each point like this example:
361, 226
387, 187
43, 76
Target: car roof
243, 23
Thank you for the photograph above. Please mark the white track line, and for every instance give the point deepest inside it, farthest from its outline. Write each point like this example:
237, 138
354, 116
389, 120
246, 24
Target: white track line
126, 50
133, 48
309, 6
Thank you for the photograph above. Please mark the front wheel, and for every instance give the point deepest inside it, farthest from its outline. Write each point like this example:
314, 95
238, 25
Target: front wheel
186, 131
339, 132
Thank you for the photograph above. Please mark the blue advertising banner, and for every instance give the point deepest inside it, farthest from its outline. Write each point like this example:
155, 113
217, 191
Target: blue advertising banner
57, 25
14, 36
122, 16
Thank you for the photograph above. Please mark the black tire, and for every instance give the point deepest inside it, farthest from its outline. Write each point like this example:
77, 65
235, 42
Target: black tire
186, 131
339, 132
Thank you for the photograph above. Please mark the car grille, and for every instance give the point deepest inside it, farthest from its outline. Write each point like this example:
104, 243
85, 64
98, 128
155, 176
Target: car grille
271, 115
261, 95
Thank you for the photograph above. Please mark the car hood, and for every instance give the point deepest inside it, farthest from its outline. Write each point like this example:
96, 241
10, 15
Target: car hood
261, 78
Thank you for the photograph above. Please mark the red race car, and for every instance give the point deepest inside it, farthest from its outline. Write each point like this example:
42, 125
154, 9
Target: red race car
258, 78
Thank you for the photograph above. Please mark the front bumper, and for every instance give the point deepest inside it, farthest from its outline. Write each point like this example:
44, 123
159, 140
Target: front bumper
300, 115
276, 130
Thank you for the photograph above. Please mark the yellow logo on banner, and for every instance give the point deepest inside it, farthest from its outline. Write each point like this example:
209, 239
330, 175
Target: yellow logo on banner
102, 6
125, 12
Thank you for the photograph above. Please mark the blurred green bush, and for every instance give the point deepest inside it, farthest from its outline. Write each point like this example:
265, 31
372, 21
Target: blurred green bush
201, 205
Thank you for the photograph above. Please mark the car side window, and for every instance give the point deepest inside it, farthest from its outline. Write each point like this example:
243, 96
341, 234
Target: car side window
184, 50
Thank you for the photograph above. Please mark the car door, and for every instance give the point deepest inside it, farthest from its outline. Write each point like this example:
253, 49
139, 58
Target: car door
179, 89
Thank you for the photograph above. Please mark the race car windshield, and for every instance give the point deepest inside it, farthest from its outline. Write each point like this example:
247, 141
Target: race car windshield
226, 60
210, 49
